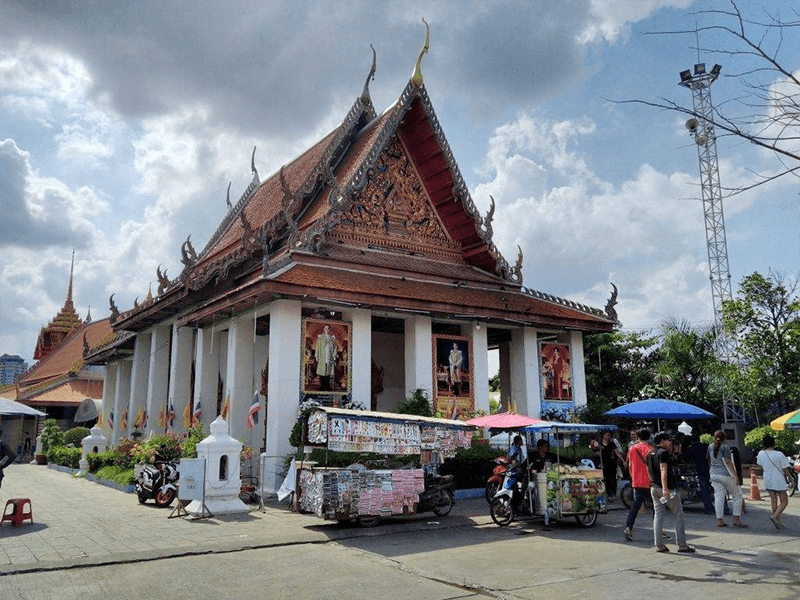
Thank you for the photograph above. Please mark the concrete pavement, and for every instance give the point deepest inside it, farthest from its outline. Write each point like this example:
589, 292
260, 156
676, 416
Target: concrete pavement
80, 523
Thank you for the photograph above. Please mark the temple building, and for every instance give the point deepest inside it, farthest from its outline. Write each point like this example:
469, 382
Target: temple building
61, 381
357, 274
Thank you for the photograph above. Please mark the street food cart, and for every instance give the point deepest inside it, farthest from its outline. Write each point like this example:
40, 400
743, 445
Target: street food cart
363, 494
563, 490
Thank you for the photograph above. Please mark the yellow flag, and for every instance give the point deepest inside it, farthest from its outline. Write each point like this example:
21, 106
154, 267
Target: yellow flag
187, 416
226, 407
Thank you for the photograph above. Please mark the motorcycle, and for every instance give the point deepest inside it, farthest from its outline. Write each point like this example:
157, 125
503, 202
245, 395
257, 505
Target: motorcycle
517, 497
687, 483
157, 481
496, 480
437, 498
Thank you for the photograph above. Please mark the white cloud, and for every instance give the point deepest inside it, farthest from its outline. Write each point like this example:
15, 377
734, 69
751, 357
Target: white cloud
612, 18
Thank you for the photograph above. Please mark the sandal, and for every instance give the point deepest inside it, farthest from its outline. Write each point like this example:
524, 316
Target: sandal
740, 524
775, 522
722, 524
662, 549
688, 549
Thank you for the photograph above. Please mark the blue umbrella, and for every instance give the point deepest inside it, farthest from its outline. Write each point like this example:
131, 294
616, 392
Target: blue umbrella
659, 408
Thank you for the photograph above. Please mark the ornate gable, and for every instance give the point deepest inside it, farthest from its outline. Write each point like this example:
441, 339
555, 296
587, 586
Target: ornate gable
394, 211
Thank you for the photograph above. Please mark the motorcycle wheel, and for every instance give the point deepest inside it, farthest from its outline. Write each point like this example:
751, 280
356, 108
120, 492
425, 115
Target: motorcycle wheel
444, 504
369, 520
143, 498
502, 512
792, 483
164, 499
491, 489
587, 519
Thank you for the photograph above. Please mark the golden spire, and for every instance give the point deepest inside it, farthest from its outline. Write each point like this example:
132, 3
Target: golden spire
371, 76
416, 78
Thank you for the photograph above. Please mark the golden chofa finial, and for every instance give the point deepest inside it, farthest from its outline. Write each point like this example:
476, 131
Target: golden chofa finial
371, 76
416, 78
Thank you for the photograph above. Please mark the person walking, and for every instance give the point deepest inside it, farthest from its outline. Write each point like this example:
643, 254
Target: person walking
660, 464
640, 478
776, 478
7, 456
698, 451
724, 480
611, 457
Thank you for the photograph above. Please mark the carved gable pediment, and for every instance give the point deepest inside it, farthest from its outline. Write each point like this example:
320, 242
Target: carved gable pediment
394, 210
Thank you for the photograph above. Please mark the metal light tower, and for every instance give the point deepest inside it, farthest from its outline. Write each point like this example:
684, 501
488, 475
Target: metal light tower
701, 128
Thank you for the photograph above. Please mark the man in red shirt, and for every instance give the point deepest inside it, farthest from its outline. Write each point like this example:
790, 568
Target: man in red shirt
640, 477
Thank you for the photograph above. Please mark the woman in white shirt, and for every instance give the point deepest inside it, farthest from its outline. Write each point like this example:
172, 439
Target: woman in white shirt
776, 474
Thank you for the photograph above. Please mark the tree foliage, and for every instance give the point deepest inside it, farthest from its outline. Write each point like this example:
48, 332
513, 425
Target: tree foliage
618, 366
687, 366
765, 320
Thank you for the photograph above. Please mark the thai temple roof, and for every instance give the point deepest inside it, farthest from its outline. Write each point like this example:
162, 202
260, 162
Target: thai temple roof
375, 214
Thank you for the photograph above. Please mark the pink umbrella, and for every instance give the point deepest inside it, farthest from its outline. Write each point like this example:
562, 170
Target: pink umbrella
504, 421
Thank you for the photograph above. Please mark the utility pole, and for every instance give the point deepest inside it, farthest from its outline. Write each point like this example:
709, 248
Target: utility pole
701, 128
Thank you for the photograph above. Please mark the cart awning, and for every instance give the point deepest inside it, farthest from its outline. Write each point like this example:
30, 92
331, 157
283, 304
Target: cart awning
556, 427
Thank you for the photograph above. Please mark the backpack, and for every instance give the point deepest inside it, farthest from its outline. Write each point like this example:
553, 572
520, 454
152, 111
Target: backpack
654, 466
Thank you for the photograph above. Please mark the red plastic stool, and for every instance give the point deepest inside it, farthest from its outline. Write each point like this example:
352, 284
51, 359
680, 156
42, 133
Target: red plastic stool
17, 513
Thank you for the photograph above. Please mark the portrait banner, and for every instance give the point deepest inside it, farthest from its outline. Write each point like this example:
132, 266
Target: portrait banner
556, 376
326, 365
453, 385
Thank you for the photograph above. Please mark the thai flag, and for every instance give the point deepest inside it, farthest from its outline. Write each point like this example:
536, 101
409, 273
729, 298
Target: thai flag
196, 414
252, 414
111, 420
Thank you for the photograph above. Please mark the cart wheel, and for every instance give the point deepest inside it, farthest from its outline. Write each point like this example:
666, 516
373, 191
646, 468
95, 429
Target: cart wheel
444, 504
502, 511
491, 489
626, 495
587, 519
369, 520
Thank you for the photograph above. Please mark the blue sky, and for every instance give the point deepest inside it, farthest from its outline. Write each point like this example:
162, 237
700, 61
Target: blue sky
121, 125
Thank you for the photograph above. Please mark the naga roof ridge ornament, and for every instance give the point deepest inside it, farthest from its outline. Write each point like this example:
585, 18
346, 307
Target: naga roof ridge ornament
163, 280
611, 312
416, 77
365, 97
188, 254
114, 310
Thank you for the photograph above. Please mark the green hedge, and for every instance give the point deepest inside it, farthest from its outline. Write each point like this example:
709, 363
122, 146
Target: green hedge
122, 475
471, 467
784, 440
67, 457
75, 435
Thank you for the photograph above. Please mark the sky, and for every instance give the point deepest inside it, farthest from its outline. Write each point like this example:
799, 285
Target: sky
122, 123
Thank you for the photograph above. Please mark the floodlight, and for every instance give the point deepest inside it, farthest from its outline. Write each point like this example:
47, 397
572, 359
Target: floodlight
716, 69
686, 76
700, 68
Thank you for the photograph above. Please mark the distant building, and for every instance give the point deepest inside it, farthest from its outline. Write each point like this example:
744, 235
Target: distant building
11, 367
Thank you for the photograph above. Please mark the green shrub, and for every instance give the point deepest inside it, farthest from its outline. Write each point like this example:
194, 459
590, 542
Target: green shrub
471, 467
98, 460
67, 457
51, 436
707, 438
418, 404
75, 435
784, 440
167, 446
192, 437
122, 475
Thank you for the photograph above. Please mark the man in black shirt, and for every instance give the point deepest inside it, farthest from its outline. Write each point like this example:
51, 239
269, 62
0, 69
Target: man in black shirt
665, 493
7, 456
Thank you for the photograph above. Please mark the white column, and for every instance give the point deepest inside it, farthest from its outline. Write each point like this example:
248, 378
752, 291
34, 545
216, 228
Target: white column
122, 397
239, 377
180, 377
109, 390
525, 372
205, 375
285, 344
577, 368
418, 355
361, 356
480, 364
139, 377
158, 380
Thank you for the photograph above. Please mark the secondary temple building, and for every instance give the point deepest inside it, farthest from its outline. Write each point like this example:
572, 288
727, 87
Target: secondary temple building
358, 273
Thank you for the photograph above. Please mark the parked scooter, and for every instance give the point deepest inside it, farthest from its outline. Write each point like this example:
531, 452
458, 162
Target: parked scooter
494, 482
157, 481
515, 498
